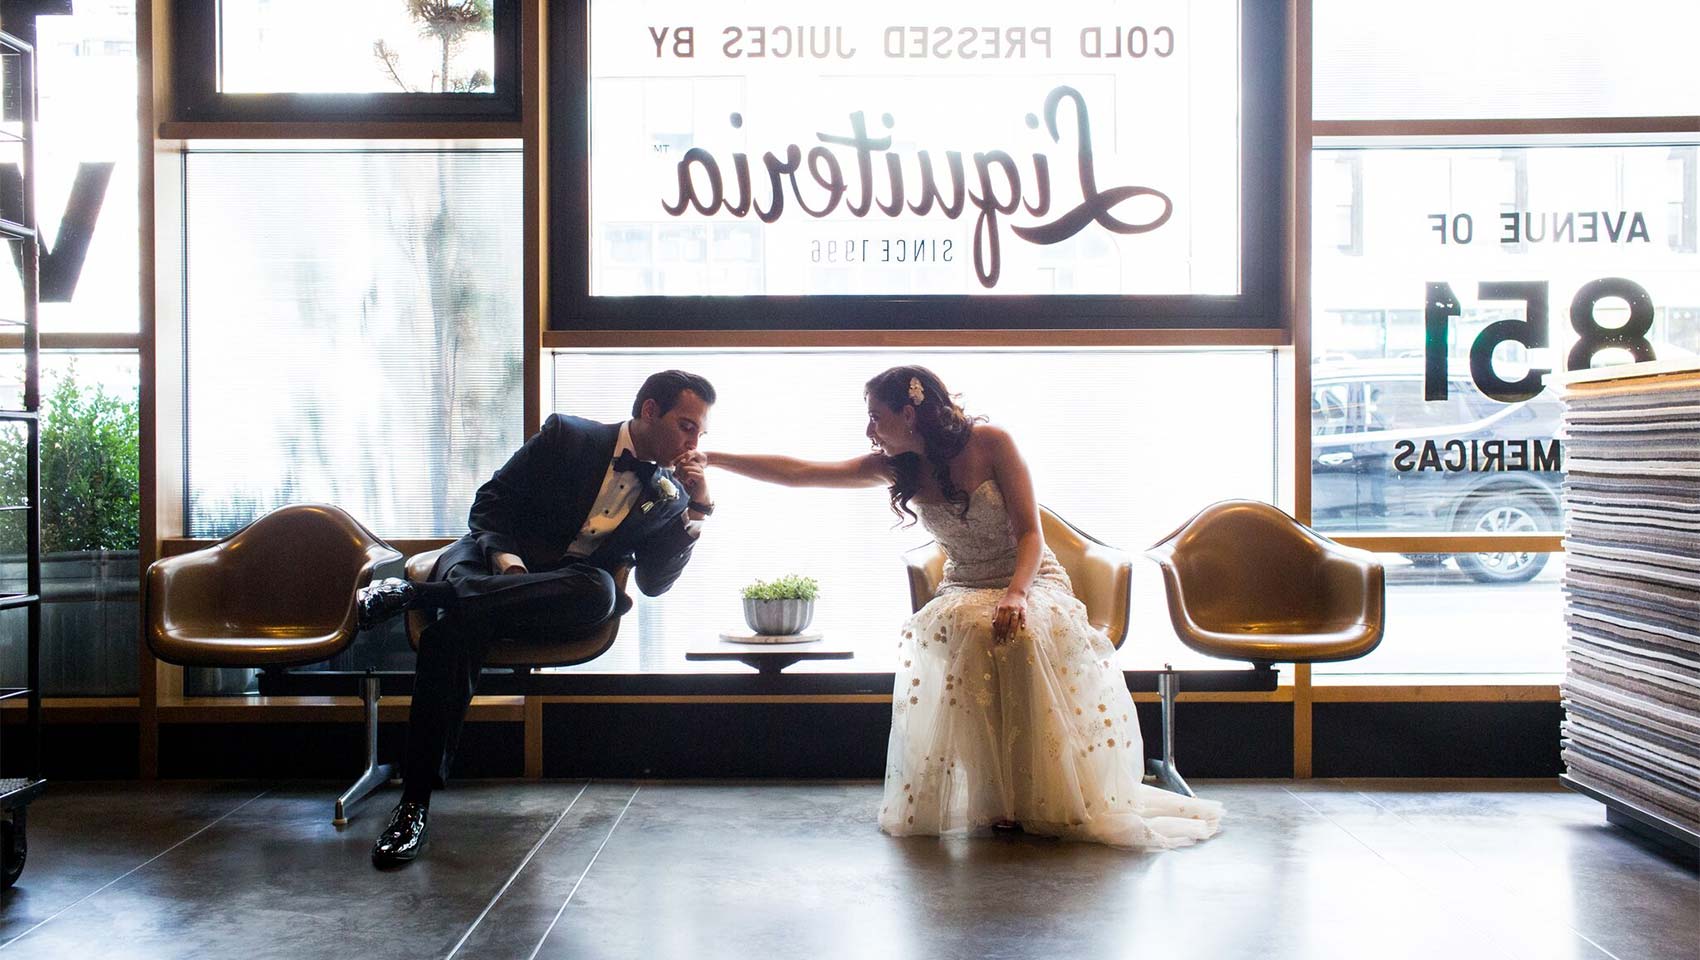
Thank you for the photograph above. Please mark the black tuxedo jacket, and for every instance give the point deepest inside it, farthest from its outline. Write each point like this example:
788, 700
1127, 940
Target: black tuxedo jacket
535, 505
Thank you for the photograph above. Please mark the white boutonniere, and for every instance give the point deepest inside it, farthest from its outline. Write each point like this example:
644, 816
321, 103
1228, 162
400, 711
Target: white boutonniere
666, 488
666, 491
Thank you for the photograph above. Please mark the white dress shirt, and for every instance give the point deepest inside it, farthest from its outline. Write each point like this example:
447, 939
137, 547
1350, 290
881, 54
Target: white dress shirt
619, 491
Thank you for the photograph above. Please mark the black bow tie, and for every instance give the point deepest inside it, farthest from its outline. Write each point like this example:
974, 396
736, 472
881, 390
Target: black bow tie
626, 463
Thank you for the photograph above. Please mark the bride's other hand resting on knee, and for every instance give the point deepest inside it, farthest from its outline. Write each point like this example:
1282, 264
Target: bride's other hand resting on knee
1010, 617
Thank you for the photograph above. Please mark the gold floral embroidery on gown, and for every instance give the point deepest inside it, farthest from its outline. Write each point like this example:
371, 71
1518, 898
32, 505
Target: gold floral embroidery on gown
1040, 730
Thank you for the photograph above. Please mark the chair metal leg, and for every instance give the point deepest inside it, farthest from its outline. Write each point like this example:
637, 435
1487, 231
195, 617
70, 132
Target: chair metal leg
376, 774
1163, 770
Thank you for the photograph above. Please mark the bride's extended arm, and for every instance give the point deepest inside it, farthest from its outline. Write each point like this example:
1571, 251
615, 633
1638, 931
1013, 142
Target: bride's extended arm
864, 471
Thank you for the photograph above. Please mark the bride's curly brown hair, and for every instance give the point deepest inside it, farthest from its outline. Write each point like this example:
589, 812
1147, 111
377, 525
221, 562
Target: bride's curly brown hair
941, 424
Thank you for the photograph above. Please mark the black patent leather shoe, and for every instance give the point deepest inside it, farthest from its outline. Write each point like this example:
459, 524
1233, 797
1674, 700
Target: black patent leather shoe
403, 838
383, 600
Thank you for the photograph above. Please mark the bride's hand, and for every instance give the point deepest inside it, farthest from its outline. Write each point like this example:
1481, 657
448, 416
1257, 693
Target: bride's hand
1010, 617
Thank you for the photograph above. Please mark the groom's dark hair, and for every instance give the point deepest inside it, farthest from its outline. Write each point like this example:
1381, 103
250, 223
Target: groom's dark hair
664, 388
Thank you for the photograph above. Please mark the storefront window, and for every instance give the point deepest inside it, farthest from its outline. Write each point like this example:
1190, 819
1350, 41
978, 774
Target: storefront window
1125, 444
1516, 59
353, 332
86, 190
1443, 620
90, 520
330, 46
1480, 271
971, 109
893, 172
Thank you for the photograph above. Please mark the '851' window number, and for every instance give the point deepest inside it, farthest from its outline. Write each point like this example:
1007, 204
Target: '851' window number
1531, 332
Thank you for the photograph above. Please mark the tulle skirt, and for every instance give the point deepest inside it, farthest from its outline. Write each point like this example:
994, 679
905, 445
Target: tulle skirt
1039, 730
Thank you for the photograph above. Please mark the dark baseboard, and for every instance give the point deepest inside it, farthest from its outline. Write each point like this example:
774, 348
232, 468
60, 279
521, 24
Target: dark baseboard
668, 740
314, 751
820, 740
1225, 739
849, 740
74, 751
1511, 739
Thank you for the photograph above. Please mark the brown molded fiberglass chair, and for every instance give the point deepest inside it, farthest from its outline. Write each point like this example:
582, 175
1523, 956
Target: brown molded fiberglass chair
1247, 582
522, 656
278, 592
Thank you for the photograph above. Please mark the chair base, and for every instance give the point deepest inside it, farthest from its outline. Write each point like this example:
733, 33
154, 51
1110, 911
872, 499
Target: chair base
1162, 773
1163, 770
376, 774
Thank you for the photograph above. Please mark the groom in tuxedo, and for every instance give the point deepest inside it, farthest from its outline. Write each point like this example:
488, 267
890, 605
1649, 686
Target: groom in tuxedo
575, 502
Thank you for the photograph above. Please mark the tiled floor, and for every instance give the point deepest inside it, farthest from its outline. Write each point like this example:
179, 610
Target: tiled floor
792, 870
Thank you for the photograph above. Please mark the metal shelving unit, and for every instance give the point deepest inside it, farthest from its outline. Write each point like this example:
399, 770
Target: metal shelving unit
22, 409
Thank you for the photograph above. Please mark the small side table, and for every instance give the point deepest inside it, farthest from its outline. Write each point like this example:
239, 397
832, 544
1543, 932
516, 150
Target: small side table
769, 658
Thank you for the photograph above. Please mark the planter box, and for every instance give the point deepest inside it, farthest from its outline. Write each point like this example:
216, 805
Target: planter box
90, 623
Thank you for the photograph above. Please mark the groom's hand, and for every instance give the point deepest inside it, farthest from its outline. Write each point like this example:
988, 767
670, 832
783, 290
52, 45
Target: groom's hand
691, 470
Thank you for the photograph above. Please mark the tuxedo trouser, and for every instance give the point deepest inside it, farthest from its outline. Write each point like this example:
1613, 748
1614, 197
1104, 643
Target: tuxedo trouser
485, 609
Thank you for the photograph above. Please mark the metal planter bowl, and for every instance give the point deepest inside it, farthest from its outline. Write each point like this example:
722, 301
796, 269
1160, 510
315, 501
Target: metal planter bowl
778, 618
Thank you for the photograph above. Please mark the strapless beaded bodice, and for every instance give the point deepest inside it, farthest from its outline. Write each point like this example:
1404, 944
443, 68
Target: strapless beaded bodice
978, 546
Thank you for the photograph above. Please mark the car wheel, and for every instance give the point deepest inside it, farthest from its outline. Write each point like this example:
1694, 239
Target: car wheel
1501, 515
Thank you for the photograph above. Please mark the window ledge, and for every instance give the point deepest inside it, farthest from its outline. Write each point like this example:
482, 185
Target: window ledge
73, 710
247, 709
1435, 688
423, 131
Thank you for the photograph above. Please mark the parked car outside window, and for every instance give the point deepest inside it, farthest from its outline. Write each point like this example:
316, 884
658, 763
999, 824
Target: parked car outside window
1385, 460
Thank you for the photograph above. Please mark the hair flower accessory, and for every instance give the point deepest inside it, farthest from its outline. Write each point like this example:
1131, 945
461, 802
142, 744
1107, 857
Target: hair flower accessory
916, 394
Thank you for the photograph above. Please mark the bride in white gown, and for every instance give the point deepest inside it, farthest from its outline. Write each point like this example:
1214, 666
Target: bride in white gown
1008, 706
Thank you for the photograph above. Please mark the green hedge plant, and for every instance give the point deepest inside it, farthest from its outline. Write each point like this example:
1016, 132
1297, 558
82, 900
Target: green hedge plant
90, 470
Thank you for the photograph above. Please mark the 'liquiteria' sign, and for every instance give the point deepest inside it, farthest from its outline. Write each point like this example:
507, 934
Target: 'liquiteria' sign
884, 149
